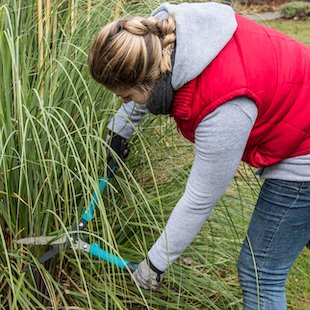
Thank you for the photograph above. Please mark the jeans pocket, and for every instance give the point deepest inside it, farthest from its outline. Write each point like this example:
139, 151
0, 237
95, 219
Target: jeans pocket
280, 192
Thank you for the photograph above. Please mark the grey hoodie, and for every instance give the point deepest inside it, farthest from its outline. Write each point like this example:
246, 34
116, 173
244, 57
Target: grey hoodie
202, 31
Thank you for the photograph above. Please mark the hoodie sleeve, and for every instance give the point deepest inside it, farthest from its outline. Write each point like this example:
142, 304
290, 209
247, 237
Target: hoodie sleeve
128, 116
220, 140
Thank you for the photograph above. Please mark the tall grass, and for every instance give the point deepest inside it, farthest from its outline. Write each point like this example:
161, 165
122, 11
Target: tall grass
52, 150
53, 121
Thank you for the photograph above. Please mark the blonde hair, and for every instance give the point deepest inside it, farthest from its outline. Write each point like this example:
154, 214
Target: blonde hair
132, 52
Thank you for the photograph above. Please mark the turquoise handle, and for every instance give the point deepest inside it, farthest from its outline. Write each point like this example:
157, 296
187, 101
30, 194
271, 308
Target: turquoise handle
97, 251
89, 214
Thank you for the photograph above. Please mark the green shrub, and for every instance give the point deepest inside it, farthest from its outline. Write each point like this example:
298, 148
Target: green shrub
296, 10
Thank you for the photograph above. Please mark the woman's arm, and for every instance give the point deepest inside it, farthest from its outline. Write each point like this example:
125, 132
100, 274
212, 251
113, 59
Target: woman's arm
128, 116
220, 140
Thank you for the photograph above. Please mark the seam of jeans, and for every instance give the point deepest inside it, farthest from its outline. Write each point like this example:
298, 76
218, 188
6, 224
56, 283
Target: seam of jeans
276, 228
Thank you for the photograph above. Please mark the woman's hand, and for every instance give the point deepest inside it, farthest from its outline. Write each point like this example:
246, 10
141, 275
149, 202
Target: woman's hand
148, 276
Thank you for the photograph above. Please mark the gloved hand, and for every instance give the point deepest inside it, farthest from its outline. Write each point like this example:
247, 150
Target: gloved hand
148, 276
118, 144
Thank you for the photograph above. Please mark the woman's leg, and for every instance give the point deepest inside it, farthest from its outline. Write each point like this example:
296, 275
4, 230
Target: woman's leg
279, 230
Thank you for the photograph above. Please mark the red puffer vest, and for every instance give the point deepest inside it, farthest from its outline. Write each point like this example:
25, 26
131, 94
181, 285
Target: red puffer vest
271, 69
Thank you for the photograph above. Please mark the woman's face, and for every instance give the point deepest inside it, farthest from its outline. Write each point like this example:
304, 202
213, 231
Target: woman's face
131, 94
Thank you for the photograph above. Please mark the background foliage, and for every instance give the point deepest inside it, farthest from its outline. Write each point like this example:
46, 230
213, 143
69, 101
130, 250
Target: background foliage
296, 10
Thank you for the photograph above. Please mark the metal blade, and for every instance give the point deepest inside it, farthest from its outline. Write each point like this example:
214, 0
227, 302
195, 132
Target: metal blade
61, 246
49, 254
42, 240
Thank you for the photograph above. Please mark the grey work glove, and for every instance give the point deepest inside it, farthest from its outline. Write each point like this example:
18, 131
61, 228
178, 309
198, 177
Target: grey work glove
148, 276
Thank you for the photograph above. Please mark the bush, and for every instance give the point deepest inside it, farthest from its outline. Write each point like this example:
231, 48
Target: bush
296, 10
261, 2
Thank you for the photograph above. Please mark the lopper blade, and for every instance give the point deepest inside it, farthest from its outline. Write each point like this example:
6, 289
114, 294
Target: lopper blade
48, 255
42, 240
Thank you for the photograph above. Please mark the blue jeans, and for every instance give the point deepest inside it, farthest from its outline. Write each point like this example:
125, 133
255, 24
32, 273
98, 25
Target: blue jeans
279, 230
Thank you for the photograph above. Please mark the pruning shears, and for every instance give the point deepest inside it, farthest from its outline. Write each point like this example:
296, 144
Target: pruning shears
74, 240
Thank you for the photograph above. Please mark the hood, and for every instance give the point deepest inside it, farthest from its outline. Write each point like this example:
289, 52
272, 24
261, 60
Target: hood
202, 31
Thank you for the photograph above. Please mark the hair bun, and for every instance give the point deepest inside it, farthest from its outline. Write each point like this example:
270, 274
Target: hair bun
135, 27
140, 26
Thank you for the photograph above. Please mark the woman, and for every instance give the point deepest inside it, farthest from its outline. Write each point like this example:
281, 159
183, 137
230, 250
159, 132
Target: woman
238, 90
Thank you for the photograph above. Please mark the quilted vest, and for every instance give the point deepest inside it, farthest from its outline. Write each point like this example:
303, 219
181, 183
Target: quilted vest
271, 69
